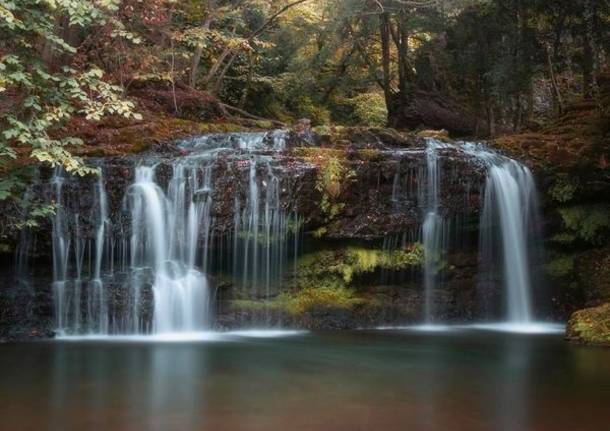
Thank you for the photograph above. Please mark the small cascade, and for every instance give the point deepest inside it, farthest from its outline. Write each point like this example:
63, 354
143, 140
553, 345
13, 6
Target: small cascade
508, 235
61, 244
507, 227
432, 227
97, 305
73, 282
263, 232
165, 241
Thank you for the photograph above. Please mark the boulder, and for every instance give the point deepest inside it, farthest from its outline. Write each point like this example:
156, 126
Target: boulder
590, 326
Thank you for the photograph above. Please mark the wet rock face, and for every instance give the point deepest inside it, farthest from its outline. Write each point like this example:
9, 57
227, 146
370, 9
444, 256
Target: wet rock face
385, 194
381, 191
26, 308
349, 185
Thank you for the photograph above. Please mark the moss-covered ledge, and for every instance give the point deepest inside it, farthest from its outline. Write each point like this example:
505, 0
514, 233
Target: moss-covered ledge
590, 326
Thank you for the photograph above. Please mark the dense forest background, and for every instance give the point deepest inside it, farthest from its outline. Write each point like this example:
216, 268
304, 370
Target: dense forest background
473, 67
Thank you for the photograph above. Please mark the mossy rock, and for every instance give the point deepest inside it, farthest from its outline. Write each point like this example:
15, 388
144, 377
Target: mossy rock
341, 137
317, 299
589, 223
338, 267
107, 138
561, 266
251, 305
590, 326
434, 134
325, 279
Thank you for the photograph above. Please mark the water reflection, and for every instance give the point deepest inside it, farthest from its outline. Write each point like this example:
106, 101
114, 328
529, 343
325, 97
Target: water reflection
175, 387
334, 381
512, 385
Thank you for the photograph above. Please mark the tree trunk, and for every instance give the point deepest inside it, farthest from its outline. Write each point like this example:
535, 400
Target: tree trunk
590, 63
384, 31
199, 50
557, 99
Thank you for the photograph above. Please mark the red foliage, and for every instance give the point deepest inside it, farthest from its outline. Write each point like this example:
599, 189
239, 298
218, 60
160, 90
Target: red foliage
148, 12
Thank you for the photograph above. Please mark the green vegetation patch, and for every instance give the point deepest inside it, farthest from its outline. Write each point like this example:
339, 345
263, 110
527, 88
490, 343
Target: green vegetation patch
325, 278
561, 266
332, 176
370, 109
325, 297
360, 260
564, 189
589, 223
342, 265
590, 326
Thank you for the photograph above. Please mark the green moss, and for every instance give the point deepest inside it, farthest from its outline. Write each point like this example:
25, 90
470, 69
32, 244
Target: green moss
325, 279
589, 223
564, 238
221, 128
264, 124
361, 260
370, 155
564, 189
590, 326
326, 297
320, 232
338, 267
250, 305
323, 130
561, 266
292, 226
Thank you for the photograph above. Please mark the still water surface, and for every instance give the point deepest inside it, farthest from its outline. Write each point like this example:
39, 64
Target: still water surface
365, 380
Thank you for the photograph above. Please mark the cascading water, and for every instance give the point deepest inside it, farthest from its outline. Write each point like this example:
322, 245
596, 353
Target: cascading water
167, 242
70, 281
432, 228
97, 301
60, 254
163, 260
150, 259
508, 225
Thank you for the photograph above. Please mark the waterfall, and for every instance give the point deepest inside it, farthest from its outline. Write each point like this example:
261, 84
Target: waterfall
167, 244
60, 252
150, 257
151, 274
67, 243
97, 301
263, 231
508, 226
509, 194
432, 227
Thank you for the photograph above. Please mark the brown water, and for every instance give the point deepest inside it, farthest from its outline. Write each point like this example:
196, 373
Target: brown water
365, 380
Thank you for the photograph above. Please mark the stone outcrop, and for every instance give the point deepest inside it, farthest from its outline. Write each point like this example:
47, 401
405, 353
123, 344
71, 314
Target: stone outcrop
590, 326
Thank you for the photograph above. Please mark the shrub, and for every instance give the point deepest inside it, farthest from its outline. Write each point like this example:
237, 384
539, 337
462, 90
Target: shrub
370, 109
